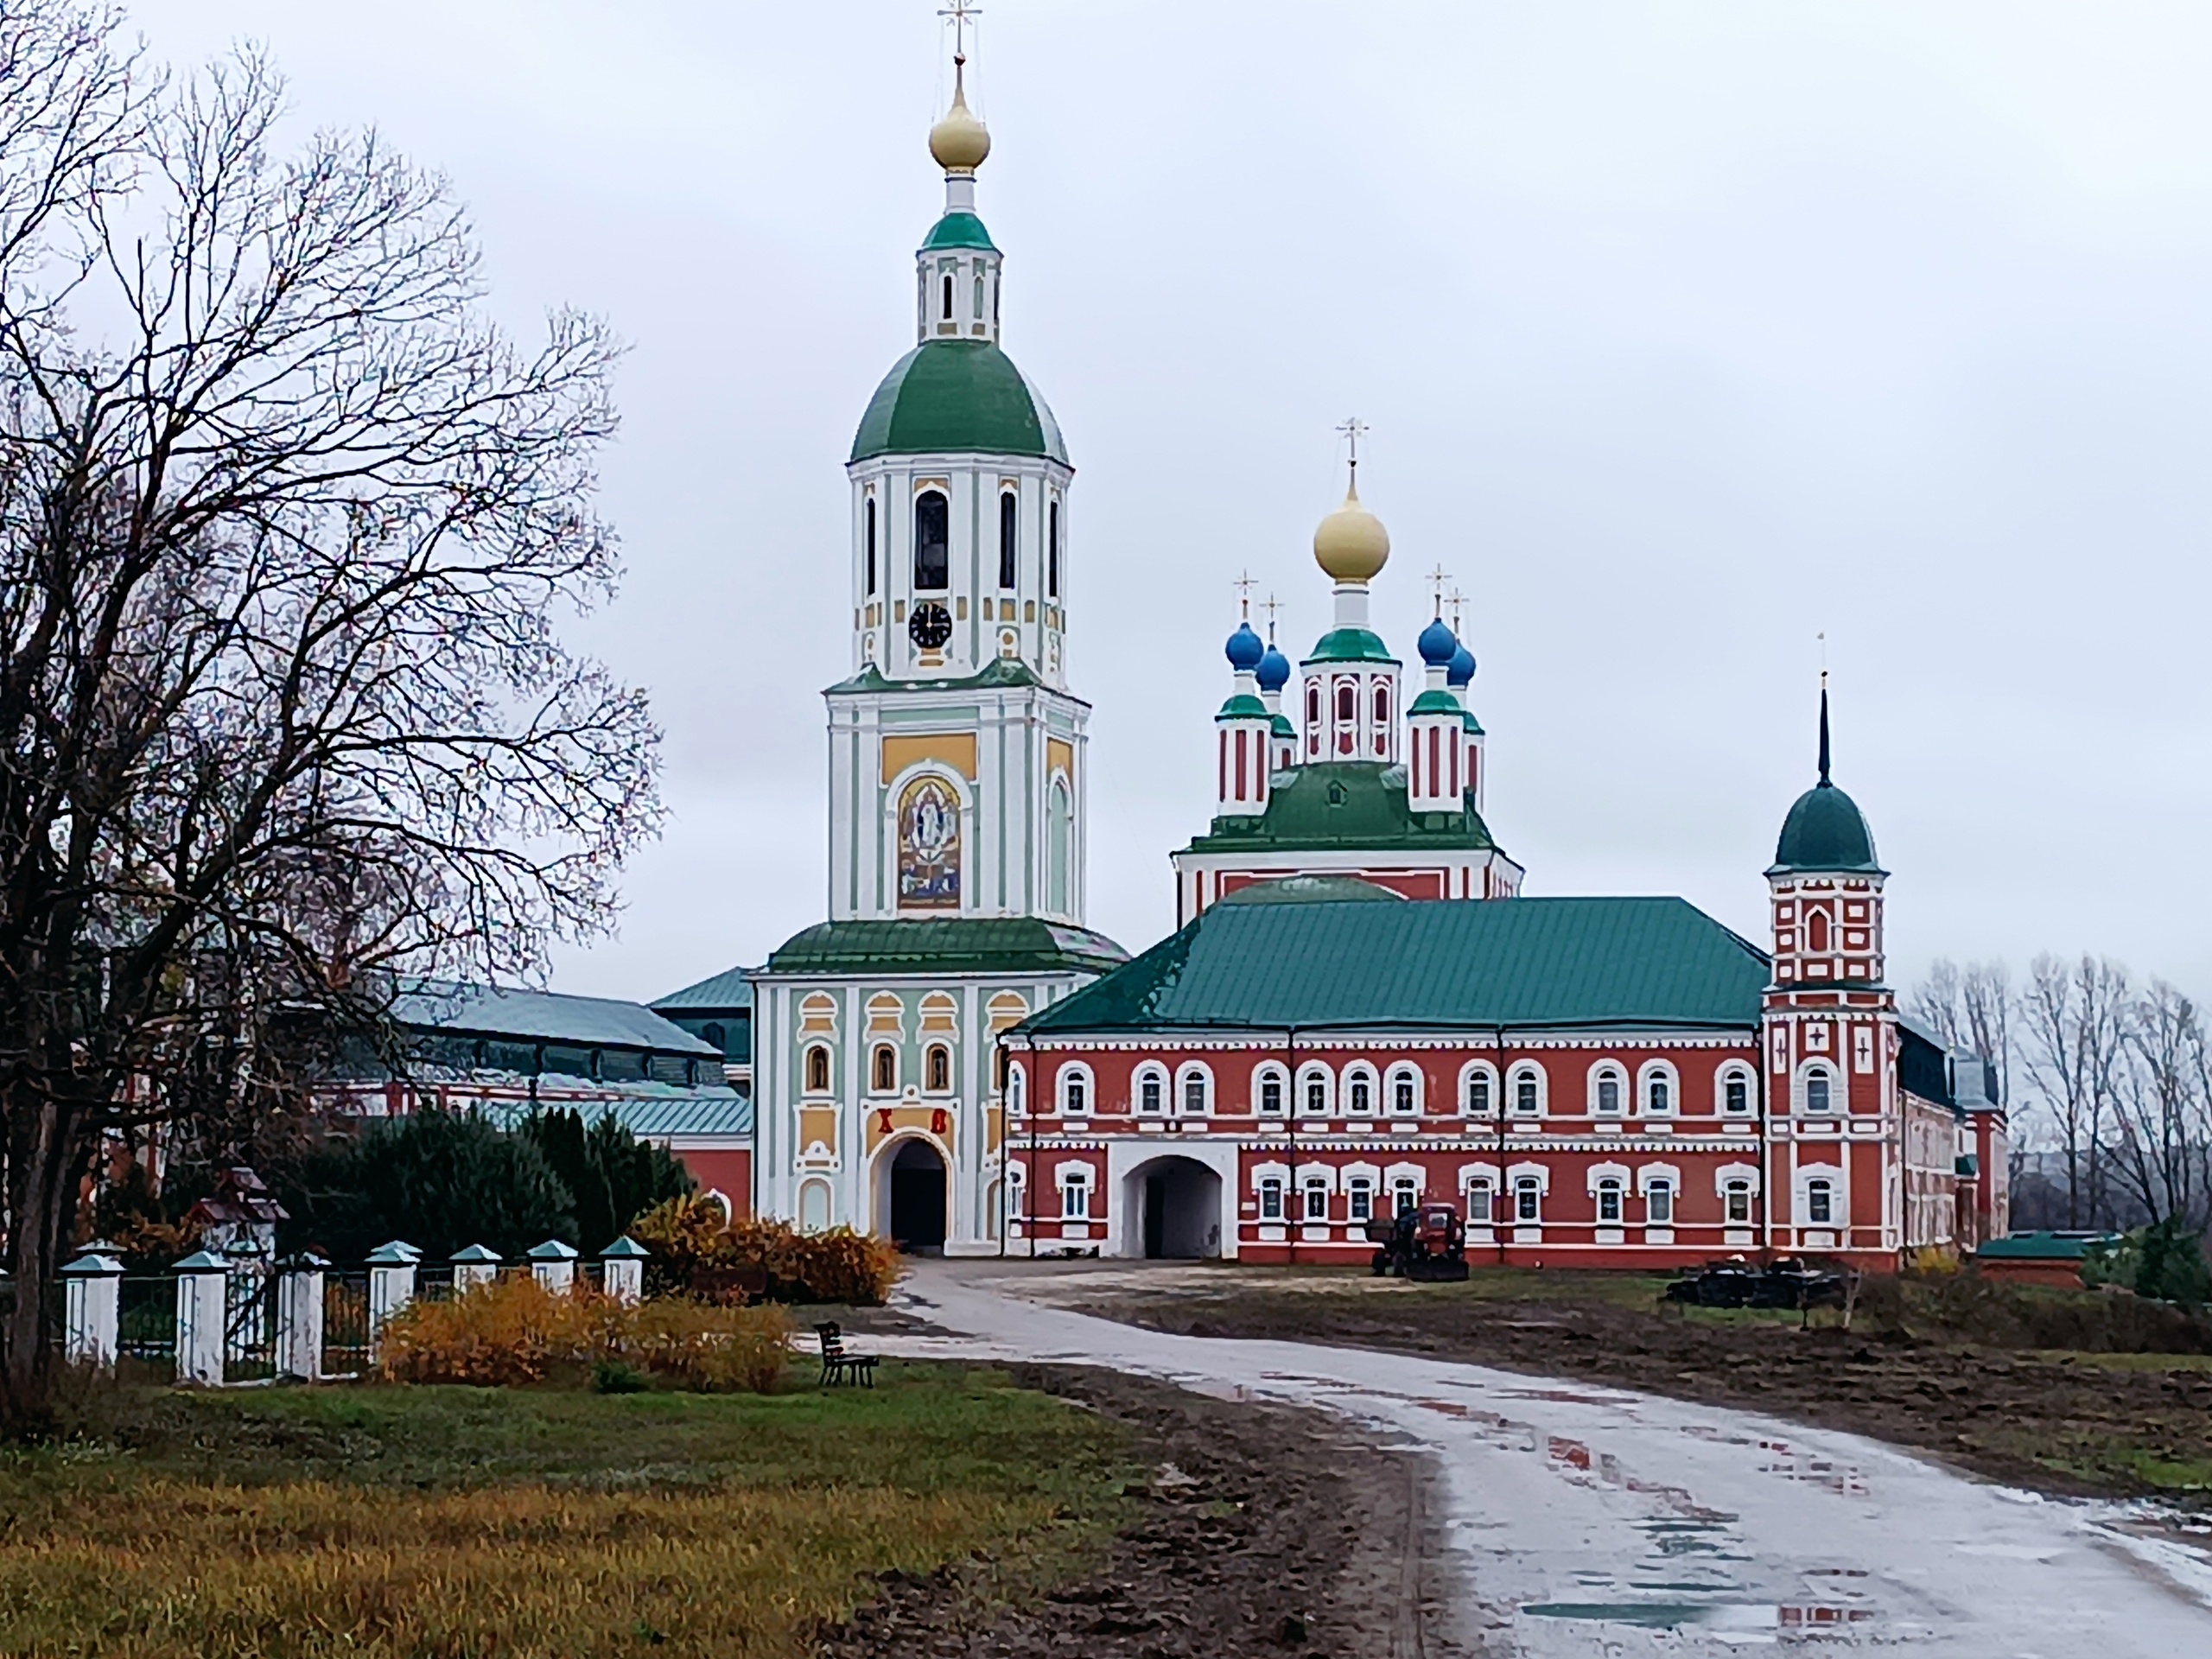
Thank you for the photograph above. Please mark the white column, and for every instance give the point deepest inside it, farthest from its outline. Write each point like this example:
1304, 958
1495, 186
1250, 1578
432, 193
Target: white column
392, 1285
477, 1265
93, 1309
554, 1265
203, 1283
624, 1264
299, 1318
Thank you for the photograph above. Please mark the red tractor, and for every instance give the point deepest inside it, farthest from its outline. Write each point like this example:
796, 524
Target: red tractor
1426, 1242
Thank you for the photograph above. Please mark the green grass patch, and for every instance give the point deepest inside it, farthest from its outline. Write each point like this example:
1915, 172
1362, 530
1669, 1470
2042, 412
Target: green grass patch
472, 1522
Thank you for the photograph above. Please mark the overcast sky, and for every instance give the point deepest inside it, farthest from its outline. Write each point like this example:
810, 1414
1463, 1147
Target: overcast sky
1685, 333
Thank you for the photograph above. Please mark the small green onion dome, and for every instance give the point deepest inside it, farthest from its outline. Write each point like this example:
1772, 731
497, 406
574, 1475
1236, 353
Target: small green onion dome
1825, 831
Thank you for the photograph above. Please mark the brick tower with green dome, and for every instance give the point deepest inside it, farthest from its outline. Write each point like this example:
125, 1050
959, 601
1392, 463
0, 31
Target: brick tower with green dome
959, 780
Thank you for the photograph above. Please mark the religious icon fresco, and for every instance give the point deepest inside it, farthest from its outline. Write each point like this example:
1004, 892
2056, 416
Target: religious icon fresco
929, 845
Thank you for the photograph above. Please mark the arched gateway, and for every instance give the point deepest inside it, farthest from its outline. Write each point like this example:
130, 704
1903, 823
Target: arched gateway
1175, 1203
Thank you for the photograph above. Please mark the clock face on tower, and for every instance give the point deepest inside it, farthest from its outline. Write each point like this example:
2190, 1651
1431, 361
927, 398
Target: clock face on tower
930, 627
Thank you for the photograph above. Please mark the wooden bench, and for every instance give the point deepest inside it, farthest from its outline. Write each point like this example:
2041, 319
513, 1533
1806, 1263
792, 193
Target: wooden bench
839, 1365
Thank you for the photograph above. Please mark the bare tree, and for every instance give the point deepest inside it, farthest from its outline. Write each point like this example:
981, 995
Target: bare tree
286, 530
2073, 1019
2159, 1118
1970, 1008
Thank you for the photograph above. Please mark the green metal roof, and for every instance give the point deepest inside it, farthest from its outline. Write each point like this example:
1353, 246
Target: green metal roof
1473, 725
651, 1117
1346, 804
1242, 706
728, 990
2045, 1246
981, 944
543, 1016
959, 397
1351, 645
958, 231
1825, 831
1281, 726
998, 674
1518, 962
1435, 703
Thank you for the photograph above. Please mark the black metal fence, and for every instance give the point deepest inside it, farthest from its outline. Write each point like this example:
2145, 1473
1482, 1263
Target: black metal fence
145, 1343
346, 1322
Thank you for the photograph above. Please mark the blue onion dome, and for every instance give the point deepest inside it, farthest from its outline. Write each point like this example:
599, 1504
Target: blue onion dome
1274, 670
1245, 649
1438, 644
1462, 669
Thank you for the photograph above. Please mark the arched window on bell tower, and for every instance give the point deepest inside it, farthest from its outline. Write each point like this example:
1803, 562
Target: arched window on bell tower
1010, 542
868, 541
932, 543
1052, 550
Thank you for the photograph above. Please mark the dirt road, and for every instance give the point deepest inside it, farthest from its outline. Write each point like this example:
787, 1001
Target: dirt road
1588, 1521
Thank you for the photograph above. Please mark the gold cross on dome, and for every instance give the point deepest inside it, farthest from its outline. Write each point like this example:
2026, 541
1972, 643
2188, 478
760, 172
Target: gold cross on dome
1271, 605
1243, 587
1436, 580
1353, 429
960, 11
1457, 600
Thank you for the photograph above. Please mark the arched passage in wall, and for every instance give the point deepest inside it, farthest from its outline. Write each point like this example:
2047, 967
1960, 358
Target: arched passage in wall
1175, 1207
912, 1191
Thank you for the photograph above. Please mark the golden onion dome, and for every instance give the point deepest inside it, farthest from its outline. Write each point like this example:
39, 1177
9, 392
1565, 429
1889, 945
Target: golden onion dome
960, 142
1350, 544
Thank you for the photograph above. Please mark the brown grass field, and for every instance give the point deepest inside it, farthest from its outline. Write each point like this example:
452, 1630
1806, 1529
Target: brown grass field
466, 1523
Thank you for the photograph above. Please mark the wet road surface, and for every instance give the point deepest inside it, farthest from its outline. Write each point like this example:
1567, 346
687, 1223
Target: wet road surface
1591, 1523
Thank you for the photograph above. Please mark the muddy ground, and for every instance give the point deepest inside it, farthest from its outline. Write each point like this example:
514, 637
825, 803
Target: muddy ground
1263, 1532
2086, 1425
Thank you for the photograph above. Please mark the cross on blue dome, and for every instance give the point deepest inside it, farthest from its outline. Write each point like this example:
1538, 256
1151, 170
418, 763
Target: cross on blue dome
1438, 644
1245, 649
1462, 668
1274, 670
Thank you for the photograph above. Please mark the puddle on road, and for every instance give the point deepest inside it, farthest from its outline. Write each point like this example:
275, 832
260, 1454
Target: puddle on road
1705, 1615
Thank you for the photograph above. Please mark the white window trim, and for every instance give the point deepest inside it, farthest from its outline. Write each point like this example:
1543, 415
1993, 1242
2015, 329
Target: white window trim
1371, 1173
1471, 1069
1799, 1088
1542, 1173
1600, 1174
1598, 1073
1152, 1068
1261, 1073
1269, 1172
1069, 1070
1353, 1185
1071, 1179
1649, 1173
1324, 1174
1470, 1174
1728, 1172
1662, 1068
1403, 1072
1017, 1088
1184, 1073
1511, 1104
1307, 1074
1361, 1072
1735, 1069
1416, 1173
829, 1071
1801, 1184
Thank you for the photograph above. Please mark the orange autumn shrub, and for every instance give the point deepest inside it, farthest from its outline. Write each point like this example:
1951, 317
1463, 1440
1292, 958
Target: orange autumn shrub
513, 1331
696, 1249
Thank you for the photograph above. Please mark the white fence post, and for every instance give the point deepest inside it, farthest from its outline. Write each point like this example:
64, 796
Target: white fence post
555, 1265
299, 1318
92, 1308
202, 1286
392, 1285
623, 1263
477, 1265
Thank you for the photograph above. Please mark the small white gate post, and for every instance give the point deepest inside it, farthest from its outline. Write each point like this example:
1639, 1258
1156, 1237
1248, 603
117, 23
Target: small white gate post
392, 1285
93, 1309
202, 1286
623, 1265
555, 1266
299, 1318
477, 1265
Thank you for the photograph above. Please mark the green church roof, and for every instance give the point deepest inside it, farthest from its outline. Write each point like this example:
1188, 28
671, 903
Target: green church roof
957, 396
1435, 703
953, 945
1281, 726
1351, 645
1348, 804
1825, 831
1526, 963
958, 231
1242, 706
1000, 673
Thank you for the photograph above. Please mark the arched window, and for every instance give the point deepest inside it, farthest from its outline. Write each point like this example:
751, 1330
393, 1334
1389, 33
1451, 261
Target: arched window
1609, 1201
883, 1070
1060, 826
932, 543
1314, 1091
1819, 1090
1405, 1194
1194, 1091
1009, 526
1075, 1195
1736, 1198
1736, 1092
1382, 705
817, 1070
1312, 705
1819, 1202
1607, 1099
1017, 1083
1347, 708
1405, 1092
1271, 1197
1478, 1195
979, 294
948, 297
1359, 1091
1075, 1091
1152, 1091
1527, 1200
1479, 1089
1359, 1198
1659, 1203
1053, 550
1526, 1091
1657, 1089
868, 541
936, 1069
814, 1207
1816, 931
1270, 1090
